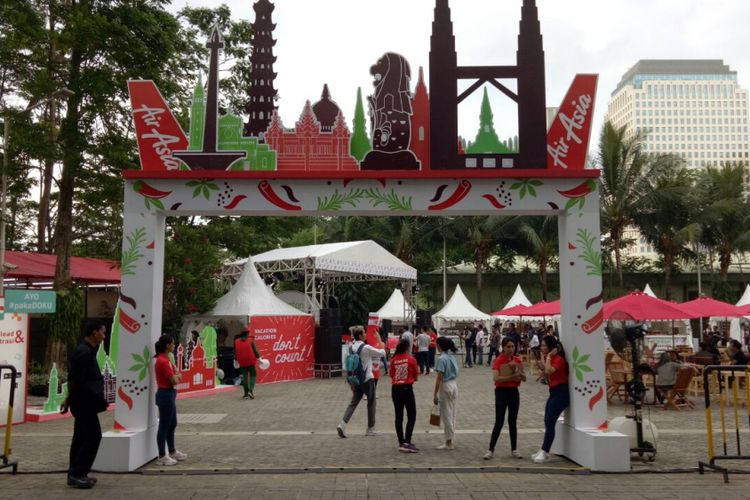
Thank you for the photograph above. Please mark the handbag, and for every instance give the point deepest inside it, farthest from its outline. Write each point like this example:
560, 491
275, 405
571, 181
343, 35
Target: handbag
435, 416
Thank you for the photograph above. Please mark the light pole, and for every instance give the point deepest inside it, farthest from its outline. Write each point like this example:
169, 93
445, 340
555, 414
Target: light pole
58, 94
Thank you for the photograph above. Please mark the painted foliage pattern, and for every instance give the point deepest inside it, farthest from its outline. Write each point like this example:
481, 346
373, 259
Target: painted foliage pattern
148, 201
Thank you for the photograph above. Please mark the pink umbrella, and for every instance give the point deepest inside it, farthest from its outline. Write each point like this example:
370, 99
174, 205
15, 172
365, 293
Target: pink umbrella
543, 309
704, 307
516, 310
638, 306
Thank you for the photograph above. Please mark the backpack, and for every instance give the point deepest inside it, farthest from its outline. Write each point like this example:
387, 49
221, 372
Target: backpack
355, 372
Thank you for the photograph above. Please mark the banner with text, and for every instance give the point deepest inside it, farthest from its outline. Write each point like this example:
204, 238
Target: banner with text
14, 344
287, 342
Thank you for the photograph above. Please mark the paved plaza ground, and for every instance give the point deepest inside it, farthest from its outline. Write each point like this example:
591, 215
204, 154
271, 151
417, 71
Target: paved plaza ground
284, 444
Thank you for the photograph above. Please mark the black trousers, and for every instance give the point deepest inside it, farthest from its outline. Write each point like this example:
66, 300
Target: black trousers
87, 434
505, 398
403, 397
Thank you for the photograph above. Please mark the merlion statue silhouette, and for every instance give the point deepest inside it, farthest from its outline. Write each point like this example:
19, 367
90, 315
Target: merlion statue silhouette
390, 116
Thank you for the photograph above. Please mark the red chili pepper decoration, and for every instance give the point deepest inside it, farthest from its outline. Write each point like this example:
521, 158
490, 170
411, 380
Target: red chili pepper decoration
128, 323
582, 189
235, 201
594, 322
270, 195
494, 201
459, 194
596, 398
144, 189
125, 398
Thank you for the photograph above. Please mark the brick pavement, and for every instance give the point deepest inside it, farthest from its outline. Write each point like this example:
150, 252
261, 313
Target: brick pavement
292, 426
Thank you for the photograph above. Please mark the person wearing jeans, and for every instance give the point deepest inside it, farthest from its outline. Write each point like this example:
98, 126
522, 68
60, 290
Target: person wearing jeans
446, 389
166, 396
404, 373
556, 369
507, 373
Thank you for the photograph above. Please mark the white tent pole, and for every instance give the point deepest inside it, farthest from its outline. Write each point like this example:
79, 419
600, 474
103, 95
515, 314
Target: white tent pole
445, 274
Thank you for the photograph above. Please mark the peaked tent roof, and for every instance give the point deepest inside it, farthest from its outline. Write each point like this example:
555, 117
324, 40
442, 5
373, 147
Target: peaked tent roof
647, 290
745, 299
518, 298
458, 308
250, 296
396, 308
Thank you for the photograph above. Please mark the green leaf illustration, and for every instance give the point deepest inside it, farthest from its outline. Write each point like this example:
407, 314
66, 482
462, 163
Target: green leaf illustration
142, 364
580, 367
202, 187
592, 257
337, 200
132, 253
391, 200
526, 186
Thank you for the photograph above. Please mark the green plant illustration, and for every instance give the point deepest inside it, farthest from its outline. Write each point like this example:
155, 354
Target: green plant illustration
150, 202
527, 186
142, 364
580, 365
131, 255
391, 200
203, 187
337, 200
573, 202
592, 257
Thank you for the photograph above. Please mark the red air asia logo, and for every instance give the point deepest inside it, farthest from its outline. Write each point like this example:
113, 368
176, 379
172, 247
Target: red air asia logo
158, 132
568, 136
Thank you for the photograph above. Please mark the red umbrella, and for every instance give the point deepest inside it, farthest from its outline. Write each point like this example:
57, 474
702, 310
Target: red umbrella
704, 307
516, 310
745, 309
543, 309
637, 306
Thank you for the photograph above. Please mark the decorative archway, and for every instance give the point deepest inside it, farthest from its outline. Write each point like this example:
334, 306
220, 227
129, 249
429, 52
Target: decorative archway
304, 184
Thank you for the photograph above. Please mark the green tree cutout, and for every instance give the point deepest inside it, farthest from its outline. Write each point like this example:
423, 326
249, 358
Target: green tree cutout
592, 257
142, 364
359, 143
203, 187
580, 365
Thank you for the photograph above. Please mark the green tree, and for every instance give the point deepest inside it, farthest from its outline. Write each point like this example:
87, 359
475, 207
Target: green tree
359, 143
540, 236
487, 141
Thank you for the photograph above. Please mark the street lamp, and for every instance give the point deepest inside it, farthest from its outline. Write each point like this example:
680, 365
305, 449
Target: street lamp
62, 93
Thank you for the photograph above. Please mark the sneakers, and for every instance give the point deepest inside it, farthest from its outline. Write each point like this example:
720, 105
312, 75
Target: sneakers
404, 448
246, 396
82, 483
445, 446
540, 457
515, 454
178, 455
412, 448
341, 429
251, 395
371, 432
166, 460
489, 455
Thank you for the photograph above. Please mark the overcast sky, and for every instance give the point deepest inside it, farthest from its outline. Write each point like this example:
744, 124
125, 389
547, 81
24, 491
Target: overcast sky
336, 42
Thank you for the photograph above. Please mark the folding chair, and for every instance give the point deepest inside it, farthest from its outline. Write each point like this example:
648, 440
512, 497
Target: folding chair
678, 396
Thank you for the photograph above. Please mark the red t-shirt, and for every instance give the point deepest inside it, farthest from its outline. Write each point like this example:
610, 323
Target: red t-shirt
560, 376
403, 369
244, 352
504, 360
164, 369
433, 339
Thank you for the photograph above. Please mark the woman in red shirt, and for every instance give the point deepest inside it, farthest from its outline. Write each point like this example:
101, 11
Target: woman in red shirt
166, 395
556, 370
507, 373
404, 373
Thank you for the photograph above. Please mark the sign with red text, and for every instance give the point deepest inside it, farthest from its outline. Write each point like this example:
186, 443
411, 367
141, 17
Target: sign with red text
568, 136
14, 345
287, 342
156, 128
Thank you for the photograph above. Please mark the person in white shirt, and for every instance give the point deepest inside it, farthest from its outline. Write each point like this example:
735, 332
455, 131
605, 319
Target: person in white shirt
423, 351
407, 335
366, 355
481, 342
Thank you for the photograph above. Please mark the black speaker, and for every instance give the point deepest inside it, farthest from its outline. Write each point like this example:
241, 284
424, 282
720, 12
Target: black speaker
424, 317
386, 327
330, 317
327, 345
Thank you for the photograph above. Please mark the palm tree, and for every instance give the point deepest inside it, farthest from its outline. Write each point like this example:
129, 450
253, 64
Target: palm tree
666, 219
725, 219
626, 170
540, 235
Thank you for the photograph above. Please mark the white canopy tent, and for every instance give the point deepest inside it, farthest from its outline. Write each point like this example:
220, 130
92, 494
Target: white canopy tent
321, 267
458, 309
647, 290
396, 308
734, 323
519, 298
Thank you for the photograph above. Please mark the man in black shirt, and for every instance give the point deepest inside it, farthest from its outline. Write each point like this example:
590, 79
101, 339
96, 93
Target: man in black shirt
514, 336
85, 400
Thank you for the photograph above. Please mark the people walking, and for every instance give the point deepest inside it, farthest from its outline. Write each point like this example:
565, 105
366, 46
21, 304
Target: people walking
481, 342
446, 389
166, 396
361, 381
468, 336
403, 372
423, 352
85, 400
507, 373
556, 370
494, 343
246, 354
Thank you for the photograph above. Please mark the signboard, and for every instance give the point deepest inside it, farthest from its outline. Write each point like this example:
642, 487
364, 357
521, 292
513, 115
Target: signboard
288, 343
30, 301
14, 343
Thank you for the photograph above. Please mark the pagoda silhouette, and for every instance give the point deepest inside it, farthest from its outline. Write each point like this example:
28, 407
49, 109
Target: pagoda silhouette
262, 94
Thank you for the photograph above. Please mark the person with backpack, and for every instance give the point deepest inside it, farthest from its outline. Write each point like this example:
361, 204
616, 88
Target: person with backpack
403, 372
358, 367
